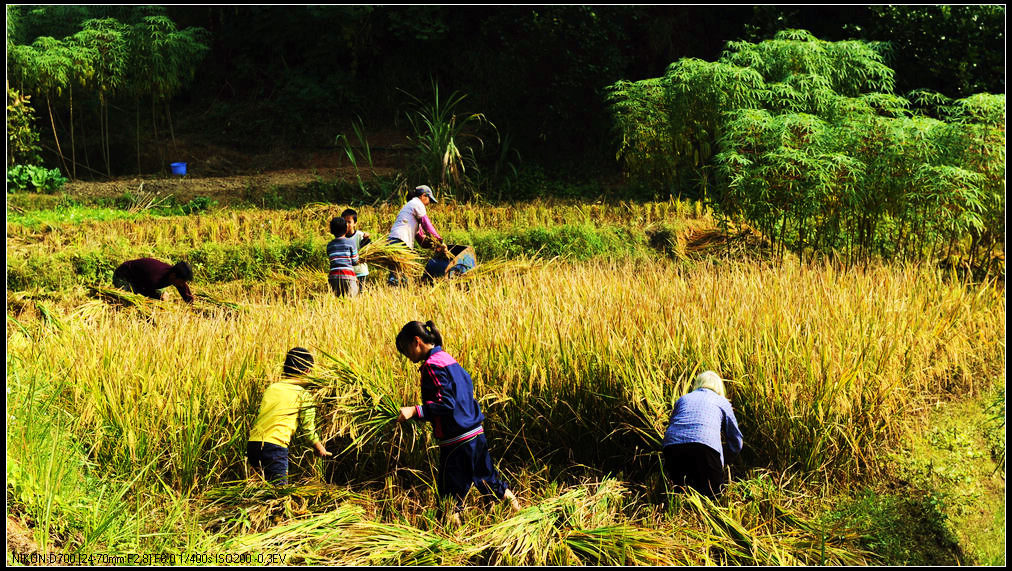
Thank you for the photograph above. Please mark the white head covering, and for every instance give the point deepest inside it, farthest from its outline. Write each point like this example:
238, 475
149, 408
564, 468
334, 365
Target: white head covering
709, 380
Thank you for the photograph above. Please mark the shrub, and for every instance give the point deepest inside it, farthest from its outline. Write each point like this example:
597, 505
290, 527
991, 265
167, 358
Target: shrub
22, 139
31, 177
804, 140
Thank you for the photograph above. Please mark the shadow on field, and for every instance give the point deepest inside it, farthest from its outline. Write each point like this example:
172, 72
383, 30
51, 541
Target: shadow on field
904, 528
591, 428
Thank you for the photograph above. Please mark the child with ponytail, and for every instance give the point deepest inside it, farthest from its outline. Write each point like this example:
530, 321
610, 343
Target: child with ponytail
448, 403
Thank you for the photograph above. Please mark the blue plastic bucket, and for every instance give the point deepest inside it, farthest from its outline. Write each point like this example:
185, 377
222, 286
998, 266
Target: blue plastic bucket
178, 168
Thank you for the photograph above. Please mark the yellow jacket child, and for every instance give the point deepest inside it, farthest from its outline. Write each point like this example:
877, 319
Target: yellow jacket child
286, 406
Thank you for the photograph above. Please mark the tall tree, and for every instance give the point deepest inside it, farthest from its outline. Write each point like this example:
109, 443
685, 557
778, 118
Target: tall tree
45, 68
106, 37
163, 59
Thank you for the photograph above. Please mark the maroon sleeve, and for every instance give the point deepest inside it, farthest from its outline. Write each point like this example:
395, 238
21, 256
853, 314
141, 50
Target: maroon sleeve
184, 291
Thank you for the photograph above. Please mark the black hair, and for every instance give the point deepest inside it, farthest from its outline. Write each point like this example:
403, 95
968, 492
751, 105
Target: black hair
183, 271
427, 332
338, 227
350, 212
297, 362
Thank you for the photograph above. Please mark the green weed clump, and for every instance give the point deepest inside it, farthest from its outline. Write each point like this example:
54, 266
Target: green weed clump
577, 242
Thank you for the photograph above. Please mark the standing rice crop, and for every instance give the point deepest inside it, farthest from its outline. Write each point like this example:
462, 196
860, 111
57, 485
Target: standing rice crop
821, 362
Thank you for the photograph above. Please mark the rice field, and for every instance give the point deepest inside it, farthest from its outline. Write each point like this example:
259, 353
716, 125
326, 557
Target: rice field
127, 418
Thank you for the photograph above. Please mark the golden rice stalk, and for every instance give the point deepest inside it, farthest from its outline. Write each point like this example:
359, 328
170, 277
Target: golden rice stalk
282, 278
392, 257
35, 299
89, 310
116, 296
763, 544
347, 404
254, 505
576, 527
301, 538
619, 544
374, 543
315, 495
19, 301
533, 535
503, 266
218, 302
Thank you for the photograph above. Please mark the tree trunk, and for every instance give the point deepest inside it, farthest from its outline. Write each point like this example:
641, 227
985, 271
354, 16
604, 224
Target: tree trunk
989, 261
73, 147
138, 133
84, 148
55, 136
101, 127
154, 117
107, 148
172, 133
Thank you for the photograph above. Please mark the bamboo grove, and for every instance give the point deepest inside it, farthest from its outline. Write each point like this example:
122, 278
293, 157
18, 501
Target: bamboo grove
145, 60
805, 140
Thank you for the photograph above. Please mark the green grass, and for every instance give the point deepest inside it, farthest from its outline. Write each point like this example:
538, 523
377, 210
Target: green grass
66, 498
900, 529
943, 503
954, 459
41, 219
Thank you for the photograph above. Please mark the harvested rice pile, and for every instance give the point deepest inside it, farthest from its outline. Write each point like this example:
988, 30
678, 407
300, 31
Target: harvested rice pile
392, 257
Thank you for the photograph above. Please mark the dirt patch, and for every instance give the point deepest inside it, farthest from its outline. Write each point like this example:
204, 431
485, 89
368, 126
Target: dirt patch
224, 189
229, 175
19, 538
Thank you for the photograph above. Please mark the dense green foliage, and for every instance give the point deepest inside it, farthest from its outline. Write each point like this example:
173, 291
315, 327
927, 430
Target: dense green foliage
804, 140
107, 59
22, 138
297, 75
955, 50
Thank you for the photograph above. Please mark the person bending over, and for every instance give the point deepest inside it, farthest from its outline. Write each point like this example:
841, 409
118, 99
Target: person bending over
693, 451
148, 277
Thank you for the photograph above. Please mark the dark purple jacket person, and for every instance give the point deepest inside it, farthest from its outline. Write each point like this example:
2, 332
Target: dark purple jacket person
147, 275
448, 403
448, 399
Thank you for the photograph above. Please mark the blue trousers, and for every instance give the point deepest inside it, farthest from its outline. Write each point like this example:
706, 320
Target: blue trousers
464, 464
270, 460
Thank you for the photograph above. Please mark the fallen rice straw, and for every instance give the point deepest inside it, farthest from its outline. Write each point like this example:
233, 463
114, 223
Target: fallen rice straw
123, 298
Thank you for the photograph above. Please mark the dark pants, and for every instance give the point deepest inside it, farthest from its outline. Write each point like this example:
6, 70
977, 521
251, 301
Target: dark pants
344, 287
396, 278
466, 463
695, 465
270, 460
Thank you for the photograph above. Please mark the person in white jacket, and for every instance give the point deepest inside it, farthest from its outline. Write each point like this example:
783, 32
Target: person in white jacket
413, 222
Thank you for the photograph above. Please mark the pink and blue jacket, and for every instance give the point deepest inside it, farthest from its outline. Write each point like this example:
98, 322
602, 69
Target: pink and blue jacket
448, 399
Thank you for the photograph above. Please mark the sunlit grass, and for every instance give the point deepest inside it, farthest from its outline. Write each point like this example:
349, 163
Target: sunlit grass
576, 364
